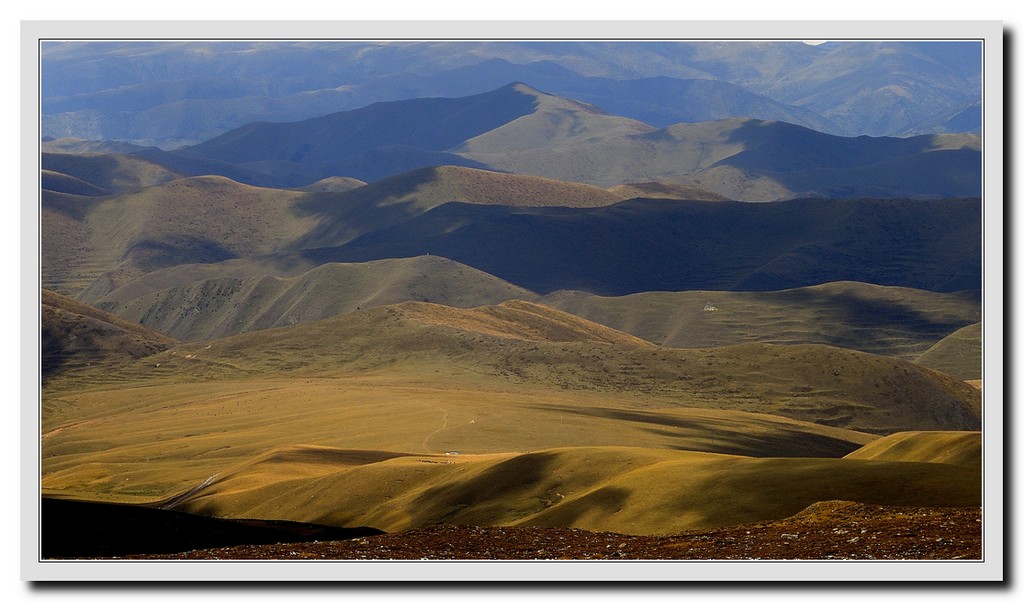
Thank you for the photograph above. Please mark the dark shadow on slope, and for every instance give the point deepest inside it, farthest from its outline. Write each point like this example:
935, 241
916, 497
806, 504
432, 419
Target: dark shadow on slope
772, 441
649, 245
179, 249
78, 529
857, 314
479, 499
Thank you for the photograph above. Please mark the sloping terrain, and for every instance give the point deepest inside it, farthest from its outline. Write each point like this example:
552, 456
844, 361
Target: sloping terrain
75, 334
958, 354
430, 297
625, 490
649, 244
522, 130
665, 190
432, 186
427, 124
54, 181
884, 88
94, 244
865, 87
406, 415
744, 159
187, 220
960, 448
208, 301
877, 319
931, 174
333, 184
107, 173
525, 345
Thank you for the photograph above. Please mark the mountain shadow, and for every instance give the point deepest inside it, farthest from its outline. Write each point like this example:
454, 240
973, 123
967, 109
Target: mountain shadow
649, 245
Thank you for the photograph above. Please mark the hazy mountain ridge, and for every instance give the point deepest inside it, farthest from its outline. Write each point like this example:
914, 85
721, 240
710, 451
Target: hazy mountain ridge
308, 79
521, 130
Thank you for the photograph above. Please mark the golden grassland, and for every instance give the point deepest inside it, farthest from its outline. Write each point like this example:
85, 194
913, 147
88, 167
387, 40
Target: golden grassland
958, 354
516, 414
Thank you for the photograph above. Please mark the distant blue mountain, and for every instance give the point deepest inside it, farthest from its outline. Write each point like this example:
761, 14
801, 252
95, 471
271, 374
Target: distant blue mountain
166, 93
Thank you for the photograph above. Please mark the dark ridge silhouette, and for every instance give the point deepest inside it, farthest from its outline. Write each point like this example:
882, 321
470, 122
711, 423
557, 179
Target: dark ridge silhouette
427, 123
80, 529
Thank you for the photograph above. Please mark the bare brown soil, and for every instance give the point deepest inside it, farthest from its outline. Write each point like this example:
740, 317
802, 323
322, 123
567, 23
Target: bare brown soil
825, 531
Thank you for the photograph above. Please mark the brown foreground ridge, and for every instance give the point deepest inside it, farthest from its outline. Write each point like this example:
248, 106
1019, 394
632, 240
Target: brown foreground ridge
834, 530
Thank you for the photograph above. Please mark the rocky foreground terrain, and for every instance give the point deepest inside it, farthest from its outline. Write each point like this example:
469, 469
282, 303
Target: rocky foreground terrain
826, 531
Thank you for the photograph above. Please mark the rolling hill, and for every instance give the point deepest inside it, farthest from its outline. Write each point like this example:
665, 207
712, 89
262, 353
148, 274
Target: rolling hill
515, 414
884, 88
624, 490
105, 173
960, 448
139, 91
645, 245
199, 302
959, 353
628, 247
187, 220
767, 160
531, 346
92, 245
885, 320
75, 335
429, 124
519, 129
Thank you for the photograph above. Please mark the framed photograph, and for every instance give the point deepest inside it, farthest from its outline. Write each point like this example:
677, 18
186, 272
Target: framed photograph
586, 301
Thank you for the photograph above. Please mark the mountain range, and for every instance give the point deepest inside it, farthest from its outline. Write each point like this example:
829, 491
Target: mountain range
108, 91
314, 288
522, 130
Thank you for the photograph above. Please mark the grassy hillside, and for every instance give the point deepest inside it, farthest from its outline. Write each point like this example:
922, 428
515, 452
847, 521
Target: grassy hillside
621, 489
110, 172
432, 186
75, 335
646, 244
410, 414
665, 190
63, 183
743, 159
958, 354
826, 385
199, 302
877, 319
425, 124
960, 448
93, 247
188, 220
333, 184
932, 173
